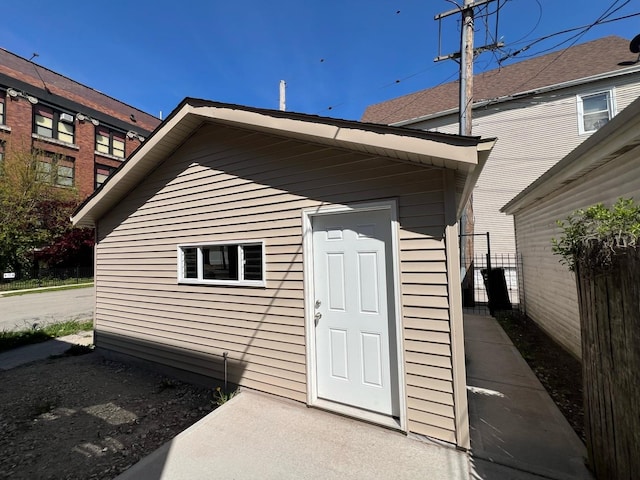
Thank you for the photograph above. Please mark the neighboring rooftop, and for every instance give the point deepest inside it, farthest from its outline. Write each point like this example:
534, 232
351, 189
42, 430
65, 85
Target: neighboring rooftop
14, 66
574, 63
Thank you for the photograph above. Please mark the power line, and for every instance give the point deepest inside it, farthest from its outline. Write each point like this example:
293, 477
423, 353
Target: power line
576, 38
583, 29
602, 20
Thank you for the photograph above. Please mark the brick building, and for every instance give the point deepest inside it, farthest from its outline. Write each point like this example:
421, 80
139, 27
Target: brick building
80, 134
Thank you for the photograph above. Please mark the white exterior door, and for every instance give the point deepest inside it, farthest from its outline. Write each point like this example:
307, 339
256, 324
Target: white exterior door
356, 362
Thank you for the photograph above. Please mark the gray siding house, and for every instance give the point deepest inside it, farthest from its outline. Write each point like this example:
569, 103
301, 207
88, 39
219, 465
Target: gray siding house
539, 109
318, 256
602, 169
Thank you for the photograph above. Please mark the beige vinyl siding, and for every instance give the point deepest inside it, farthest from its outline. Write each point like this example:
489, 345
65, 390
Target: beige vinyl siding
230, 184
534, 133
550, 294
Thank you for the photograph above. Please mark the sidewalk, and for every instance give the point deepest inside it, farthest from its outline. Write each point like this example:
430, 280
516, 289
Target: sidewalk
41, 351
517, 432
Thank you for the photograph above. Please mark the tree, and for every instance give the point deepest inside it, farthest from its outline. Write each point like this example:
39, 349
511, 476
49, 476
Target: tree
34, 213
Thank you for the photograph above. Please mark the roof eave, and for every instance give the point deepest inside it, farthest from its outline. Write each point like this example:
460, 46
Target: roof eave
460, 153
484, 150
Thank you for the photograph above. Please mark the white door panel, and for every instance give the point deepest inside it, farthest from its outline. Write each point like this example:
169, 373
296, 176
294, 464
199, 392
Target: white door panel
355, 324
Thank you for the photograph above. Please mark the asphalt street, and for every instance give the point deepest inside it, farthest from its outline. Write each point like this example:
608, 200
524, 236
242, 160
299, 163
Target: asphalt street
23, 311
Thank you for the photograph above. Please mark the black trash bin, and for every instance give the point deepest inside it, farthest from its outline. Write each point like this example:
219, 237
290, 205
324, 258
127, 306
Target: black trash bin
496, 286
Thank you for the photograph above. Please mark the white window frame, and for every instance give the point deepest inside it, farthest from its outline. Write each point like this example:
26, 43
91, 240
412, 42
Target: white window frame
241, 282
610, 93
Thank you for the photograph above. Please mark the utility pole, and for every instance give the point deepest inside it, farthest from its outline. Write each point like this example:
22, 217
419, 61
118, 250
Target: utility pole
466, 57
466, 69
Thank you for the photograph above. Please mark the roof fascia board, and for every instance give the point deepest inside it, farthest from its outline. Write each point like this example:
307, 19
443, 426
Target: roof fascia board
314, 131
622, 130
465, 157
519, 95
81, 216
484, 150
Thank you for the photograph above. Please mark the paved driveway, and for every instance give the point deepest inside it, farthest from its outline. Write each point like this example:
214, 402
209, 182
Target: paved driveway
46, 307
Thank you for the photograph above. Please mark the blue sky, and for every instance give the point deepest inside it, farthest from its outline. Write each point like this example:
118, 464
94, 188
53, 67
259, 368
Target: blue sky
337, 57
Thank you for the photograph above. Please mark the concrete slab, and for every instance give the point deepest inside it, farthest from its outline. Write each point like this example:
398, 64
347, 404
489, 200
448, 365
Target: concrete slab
41, 351
255, 436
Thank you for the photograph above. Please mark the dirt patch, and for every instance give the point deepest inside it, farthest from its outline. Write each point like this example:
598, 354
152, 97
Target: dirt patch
558, 371
86, 417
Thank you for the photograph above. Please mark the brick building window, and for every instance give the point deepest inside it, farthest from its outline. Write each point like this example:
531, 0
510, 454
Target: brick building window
110, 142
56, 169
51, 123
3, 97
102, 173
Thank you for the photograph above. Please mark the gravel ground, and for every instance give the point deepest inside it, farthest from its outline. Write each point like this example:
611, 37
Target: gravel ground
85, 417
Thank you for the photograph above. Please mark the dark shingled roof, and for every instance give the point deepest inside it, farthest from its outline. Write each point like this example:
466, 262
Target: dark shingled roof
23, 70
580, 61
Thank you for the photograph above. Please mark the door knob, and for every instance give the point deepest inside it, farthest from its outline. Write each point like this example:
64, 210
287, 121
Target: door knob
317, 317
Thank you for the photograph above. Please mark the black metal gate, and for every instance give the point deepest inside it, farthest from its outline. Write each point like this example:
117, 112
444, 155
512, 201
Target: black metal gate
490, 280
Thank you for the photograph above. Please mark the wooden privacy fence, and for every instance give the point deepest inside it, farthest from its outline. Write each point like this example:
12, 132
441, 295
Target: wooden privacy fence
610, 325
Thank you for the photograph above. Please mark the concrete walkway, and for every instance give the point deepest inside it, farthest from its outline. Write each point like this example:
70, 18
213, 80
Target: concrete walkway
41, 351
517, 432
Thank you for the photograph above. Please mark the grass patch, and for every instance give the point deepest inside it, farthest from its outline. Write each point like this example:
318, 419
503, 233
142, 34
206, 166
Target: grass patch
38, 334
50, 289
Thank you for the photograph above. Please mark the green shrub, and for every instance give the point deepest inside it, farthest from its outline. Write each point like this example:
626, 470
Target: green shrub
593, 235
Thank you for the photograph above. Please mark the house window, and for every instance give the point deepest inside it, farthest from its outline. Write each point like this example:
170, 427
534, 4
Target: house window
594, 111
102, 173
51, 123
110, 142
223, 263
56, 169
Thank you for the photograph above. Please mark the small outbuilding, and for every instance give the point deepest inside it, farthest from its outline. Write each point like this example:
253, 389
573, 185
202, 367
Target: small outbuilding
306, 257
602, 169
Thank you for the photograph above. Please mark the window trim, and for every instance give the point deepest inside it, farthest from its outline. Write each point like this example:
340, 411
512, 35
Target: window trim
241, 282
610, 93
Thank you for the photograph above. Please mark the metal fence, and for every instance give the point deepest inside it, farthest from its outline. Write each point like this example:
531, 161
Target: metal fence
511, 265
46, 277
